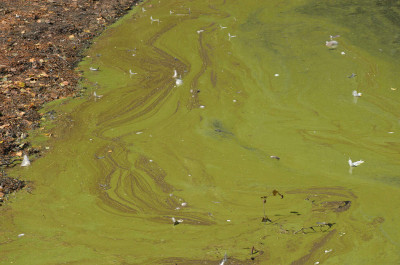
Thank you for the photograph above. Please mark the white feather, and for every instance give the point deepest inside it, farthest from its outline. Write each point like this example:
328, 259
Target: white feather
178, 82
356, 163
25, 161
224, 260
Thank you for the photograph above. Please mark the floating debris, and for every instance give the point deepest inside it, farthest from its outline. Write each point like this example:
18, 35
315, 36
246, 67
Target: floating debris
224, 259
331, 44
231, 36
25, 161
154, 20
356, 94
97, 96
356, 163
94, 69
352, 75
176, 222
178, 82
275, 157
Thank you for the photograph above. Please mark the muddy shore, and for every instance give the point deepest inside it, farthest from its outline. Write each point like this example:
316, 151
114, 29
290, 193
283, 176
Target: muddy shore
41, 42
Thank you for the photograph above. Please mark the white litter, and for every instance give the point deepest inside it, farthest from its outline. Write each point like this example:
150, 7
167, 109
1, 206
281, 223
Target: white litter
25, 161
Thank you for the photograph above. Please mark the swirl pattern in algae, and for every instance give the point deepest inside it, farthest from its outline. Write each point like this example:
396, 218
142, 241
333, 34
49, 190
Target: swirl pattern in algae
263, 107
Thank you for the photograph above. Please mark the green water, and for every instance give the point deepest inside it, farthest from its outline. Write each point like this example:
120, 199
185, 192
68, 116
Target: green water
120, 166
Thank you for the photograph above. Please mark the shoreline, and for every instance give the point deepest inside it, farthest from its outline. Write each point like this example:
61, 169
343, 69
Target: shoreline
41, 43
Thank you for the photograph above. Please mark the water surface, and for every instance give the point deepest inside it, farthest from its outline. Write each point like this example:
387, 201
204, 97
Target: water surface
123, 164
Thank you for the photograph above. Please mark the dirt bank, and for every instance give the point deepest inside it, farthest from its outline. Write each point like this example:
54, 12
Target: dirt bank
41, 41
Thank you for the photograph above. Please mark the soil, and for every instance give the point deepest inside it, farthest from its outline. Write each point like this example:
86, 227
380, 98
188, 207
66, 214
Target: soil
41, 42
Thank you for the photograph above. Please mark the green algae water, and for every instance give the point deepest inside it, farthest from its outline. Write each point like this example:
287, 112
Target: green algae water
223, 127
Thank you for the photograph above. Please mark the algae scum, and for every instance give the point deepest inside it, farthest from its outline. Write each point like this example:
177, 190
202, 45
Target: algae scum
158, 168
